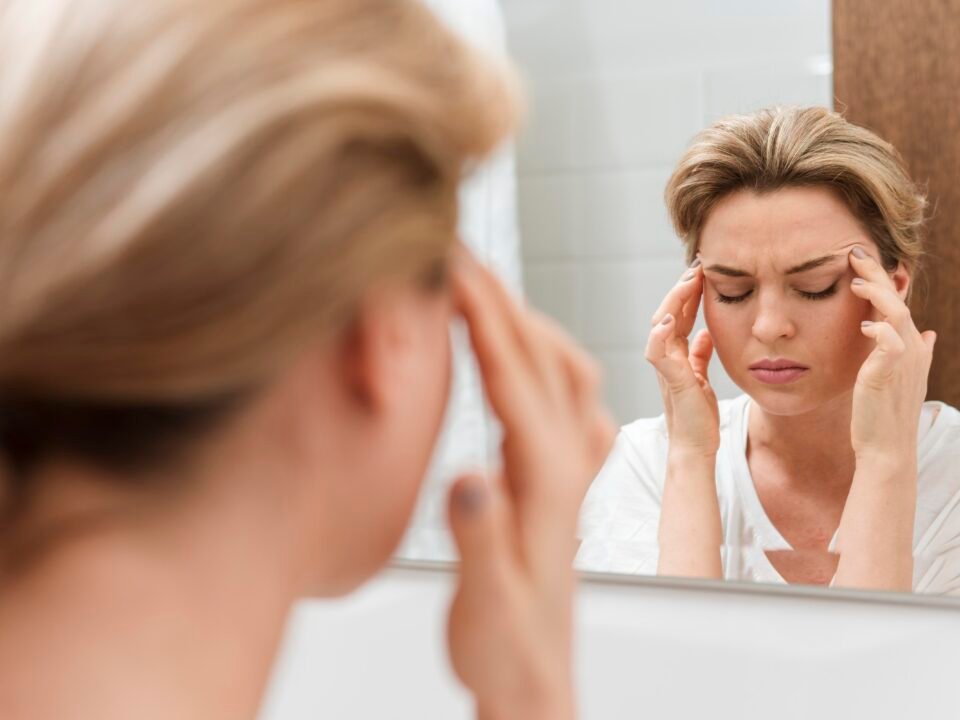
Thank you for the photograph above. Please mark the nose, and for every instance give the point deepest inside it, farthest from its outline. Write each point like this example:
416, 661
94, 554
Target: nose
772, 321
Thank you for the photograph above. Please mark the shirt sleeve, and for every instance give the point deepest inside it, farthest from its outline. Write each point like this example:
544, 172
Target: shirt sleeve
621, 513
937, 546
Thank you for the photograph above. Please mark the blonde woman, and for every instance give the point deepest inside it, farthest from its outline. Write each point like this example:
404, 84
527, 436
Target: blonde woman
227, 266
804, 238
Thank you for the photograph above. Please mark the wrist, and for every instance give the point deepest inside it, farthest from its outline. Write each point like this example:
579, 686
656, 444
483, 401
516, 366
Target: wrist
691, 455
556, 705
887, 468
892, 460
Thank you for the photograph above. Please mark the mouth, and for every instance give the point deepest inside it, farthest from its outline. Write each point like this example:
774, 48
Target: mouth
779, 371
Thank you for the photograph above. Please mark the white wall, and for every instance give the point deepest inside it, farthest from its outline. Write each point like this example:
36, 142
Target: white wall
645, 650
618, 89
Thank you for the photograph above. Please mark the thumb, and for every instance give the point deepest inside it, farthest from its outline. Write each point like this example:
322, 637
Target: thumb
930, 338
478, 528
701, 350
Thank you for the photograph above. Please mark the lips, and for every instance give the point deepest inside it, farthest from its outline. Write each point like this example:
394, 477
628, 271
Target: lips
778, 371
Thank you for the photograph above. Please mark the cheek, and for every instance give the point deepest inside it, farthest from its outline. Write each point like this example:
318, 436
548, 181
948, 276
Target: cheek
836, 337
429, 391
729, 327
838, 330
417, 422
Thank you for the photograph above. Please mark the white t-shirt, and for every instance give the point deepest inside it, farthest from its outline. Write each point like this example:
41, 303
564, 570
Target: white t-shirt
620, 516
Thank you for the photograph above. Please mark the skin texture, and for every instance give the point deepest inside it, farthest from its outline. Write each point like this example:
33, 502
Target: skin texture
176, 587
809, 440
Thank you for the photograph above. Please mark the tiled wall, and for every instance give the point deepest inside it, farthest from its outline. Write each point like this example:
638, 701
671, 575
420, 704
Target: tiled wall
618, 88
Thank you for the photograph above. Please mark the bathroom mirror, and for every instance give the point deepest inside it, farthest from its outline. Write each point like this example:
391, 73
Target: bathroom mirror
574, 217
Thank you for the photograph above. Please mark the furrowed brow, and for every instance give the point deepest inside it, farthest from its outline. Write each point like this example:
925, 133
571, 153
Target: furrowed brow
801, 268
728, 271
811, 264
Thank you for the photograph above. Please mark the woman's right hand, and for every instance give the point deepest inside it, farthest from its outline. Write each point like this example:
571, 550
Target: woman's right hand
690, 405
510, 622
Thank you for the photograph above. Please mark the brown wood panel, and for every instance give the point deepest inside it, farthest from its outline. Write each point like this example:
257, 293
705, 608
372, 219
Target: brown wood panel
897, 72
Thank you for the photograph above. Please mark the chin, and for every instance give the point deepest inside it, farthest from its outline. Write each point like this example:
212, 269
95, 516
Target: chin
365, 563
787, 400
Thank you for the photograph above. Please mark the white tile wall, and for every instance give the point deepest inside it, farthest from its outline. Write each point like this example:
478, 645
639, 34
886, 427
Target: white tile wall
617, 90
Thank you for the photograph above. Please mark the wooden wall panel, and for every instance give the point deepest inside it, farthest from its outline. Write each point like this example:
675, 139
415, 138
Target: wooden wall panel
897, 72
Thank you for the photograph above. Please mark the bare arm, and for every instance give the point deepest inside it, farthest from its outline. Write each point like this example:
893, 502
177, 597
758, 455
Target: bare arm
875, 538
690, 532
690, 528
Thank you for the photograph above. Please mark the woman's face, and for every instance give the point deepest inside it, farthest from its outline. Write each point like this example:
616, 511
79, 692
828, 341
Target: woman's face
777, 297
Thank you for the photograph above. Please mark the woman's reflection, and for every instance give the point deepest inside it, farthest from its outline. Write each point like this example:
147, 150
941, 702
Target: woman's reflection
803, 233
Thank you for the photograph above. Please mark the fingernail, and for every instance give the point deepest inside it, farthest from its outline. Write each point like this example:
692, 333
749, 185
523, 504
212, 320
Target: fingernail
858, 281
668, 318
471, 498
859, 252
866, 323
689, 275
695, 263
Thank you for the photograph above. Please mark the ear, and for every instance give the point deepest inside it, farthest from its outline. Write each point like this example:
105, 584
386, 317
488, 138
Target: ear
376, 349
902, 279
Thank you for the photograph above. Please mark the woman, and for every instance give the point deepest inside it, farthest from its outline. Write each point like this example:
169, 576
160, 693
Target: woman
803, 234
228, 266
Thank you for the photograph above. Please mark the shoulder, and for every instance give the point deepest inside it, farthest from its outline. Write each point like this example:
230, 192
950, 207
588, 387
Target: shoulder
940, 439
938, 466
937, 529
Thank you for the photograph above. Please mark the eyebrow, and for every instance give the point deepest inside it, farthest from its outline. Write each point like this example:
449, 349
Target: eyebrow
801, 268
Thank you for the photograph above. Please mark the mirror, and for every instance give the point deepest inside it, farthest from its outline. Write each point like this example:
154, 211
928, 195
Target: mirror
618, 91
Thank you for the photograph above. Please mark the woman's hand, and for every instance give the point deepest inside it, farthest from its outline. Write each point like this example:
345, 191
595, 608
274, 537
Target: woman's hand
875, 538
690, 531
689, 402
892, 383
510, 622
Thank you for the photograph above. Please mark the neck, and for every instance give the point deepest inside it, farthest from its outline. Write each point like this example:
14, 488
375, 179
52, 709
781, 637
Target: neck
195, 587
818, 440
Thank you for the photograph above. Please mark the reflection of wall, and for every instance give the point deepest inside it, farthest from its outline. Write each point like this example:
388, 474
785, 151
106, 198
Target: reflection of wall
618, 89
898, 73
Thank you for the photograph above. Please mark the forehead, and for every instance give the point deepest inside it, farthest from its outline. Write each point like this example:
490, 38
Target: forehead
778, 229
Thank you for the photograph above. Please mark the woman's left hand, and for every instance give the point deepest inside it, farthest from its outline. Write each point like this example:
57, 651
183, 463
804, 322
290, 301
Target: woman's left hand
875, 537
892, 384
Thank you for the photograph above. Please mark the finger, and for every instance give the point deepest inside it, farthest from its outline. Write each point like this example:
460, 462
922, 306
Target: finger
580, 398
581, 372
869, 267
929, 338
528, 329
888, 304
688, 314
557, 362
890, 346
507, 376
479, 524
701, 350
603, 434
679, 294
676, 372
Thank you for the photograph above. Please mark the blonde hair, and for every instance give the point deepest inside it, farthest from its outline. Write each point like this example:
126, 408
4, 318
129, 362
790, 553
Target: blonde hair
800, 146
191, 190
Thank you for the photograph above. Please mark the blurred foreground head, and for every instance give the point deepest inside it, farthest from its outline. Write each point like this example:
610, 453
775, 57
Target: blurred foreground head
194, 194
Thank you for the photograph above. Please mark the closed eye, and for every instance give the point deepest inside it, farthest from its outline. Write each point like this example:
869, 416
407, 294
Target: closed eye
734, 298
822, 295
